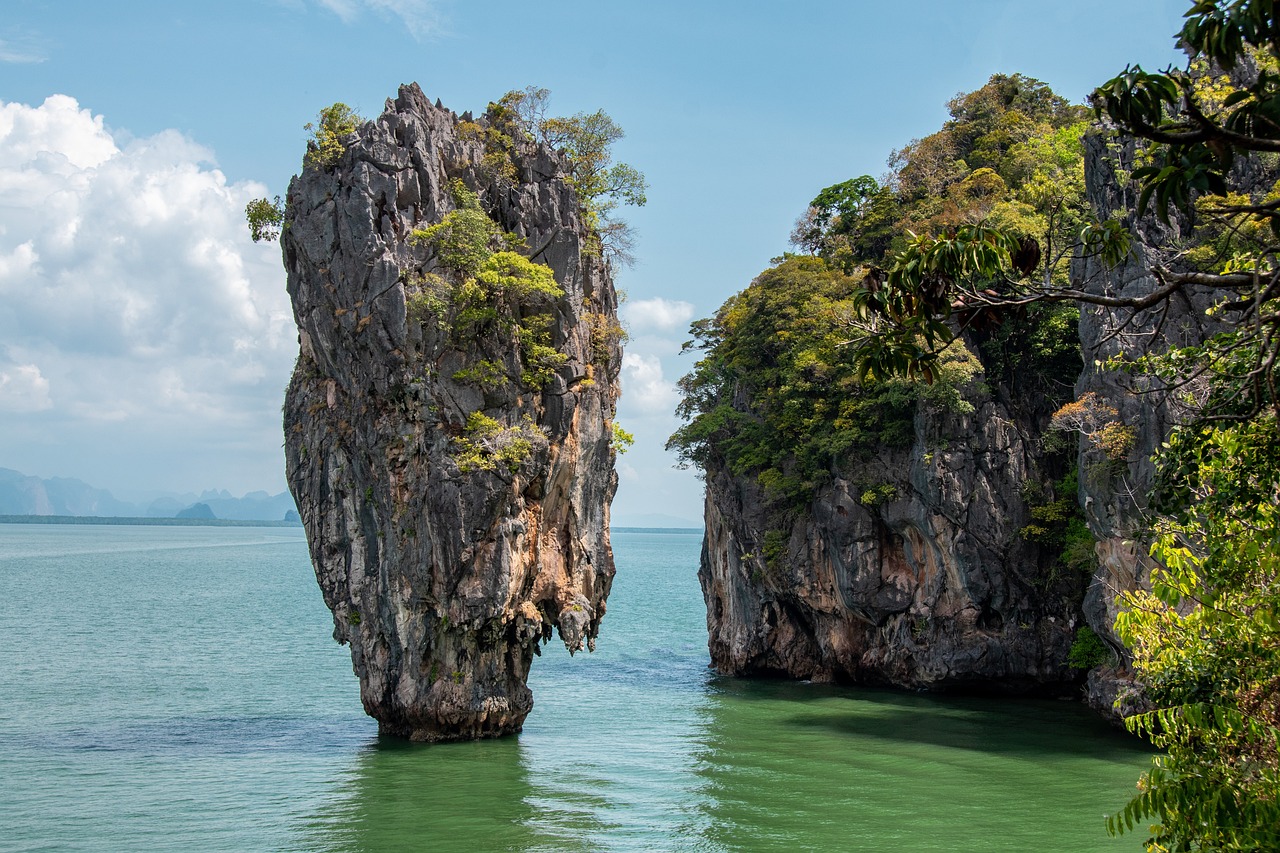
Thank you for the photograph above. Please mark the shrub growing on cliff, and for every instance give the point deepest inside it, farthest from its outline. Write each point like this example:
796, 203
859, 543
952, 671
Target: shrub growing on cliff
325, 146
492, 285
486, 445
1087, 650
620, 440
587, 140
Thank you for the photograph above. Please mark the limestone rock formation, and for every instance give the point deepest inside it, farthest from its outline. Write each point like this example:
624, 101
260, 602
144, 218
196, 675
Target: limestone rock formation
936, 588
1114, 492
453, 479
932, 589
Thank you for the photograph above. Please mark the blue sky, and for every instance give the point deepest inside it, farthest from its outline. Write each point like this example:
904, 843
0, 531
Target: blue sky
145, 342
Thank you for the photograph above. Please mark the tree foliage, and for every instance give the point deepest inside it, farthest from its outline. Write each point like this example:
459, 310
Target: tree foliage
772, 396
1009, 155
1206, 643
1206, 638
325, 147
803, 368
487, 286
265, 218
586, 140
998, 189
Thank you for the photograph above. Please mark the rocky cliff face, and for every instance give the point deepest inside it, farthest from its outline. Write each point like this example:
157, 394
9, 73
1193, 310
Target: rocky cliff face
937, 587
933, 588
455, 498
1114, 492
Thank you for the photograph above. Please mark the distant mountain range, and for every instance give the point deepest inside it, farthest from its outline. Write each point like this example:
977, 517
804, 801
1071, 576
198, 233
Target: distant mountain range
21, 494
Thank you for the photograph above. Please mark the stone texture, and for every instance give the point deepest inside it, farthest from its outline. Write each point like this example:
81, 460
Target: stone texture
935, 589
443, 581
1114, 493
932, 590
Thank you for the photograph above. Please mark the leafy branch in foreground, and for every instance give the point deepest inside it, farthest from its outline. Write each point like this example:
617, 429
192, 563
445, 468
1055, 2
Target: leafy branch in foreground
1206, 643
973, 277
1206, 638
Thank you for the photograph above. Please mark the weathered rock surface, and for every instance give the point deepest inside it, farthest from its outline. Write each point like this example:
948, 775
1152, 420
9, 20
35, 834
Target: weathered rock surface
444, 579
934, 589
1114, 493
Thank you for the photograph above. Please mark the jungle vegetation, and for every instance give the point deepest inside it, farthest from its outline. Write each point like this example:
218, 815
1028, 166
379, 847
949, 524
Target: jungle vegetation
1205, 639
968, 238
776, 394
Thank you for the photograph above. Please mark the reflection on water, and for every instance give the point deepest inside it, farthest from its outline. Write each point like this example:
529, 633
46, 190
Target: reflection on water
179, 691
464, 797
639, 748
814, 767
607, 760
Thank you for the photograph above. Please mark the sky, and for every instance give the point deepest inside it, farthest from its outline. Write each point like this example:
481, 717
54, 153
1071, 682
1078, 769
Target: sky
145, 341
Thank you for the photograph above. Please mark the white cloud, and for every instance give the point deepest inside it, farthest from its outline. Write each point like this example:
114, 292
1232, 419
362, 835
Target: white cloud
127, 275
55, 138
658, 314
22, 51
420, 17
645, 391
23, 389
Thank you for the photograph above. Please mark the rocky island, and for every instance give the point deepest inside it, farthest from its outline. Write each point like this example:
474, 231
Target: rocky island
449, 421
978, 516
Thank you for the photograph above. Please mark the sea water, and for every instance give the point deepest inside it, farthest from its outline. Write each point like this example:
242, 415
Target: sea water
179, 689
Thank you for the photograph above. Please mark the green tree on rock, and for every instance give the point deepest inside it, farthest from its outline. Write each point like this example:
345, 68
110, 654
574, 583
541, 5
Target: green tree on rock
265, 218
586, 140
334, 122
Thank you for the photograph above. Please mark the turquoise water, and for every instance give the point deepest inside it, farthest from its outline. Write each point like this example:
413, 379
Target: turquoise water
178, 689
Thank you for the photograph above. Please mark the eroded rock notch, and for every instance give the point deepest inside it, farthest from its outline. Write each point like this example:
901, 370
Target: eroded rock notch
448, 437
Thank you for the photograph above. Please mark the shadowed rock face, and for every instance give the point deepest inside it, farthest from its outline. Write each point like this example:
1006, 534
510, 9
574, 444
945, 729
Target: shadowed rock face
444, 579
1114, 492
933, 589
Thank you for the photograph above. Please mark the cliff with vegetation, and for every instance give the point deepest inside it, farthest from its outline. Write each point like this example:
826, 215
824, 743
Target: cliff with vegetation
449, 422
1166, 213
919, 530
1116, 482
916, 539
1121, 482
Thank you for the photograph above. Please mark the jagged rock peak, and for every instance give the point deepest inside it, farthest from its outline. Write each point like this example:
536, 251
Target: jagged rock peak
448, 435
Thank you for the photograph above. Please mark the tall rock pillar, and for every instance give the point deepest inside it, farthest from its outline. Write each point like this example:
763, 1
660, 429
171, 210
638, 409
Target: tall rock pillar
453, 473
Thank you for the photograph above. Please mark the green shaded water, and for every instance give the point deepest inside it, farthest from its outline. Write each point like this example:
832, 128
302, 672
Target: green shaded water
177, 689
